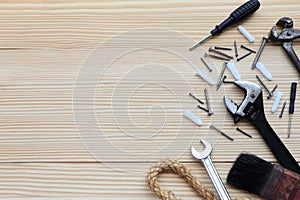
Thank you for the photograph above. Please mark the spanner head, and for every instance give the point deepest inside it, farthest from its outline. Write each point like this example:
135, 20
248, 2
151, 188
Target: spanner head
204, 153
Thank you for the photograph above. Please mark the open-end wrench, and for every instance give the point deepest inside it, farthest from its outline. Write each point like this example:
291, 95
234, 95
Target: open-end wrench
204, 156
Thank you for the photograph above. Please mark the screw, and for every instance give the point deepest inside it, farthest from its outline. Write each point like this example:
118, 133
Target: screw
215, 56
244, 56
194, 97
223, 48
261, 48
282, 109
235, 49
264, 85
247, 134
248, 49
206, 65
222, 132
221, 53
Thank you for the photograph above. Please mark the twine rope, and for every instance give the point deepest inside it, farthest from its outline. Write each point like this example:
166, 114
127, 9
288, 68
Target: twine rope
175, 167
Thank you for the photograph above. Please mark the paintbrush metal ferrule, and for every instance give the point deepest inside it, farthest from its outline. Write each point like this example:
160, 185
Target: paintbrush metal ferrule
282, 184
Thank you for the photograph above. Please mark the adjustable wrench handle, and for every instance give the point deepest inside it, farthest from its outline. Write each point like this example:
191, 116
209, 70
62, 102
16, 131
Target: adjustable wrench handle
288, 47
279, 150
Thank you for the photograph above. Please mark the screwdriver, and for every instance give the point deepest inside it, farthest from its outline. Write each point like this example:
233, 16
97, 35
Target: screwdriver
236, 16
292, 103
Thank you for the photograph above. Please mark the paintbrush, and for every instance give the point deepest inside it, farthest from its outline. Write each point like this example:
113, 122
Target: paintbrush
263, 178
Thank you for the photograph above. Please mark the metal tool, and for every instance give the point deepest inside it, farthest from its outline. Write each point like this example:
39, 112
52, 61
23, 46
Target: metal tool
207, 102
286, 37
204, 156
282, 109
197, 99
236, 16
241, 131
220, 52
270, 93
222, 132
235, 49
215, 56
223, 48
244, 56
252, 109
206, 65
221, 76
204, 109
248, 49
292, 105
260, 50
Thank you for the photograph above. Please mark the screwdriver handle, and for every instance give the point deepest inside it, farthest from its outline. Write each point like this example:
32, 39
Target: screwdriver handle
292, 97
240, 13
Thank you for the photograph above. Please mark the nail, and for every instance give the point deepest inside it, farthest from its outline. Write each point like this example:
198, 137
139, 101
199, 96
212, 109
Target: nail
248, 49
200, 107
221, 53
206, 65
261, 48
223, 48
221, 76
264, 85
208, 102
235, 49
244, 56
238, 129
215, 56
194, 97
222, 132
282, 110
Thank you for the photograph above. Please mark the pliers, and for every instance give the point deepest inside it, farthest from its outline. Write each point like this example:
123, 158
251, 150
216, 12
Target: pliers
252, 109
286, 37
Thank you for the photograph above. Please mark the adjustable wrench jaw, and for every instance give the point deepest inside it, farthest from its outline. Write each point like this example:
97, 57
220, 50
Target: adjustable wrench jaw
251, 104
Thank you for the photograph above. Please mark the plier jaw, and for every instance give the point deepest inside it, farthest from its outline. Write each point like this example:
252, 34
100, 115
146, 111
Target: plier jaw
250, 106
286, 37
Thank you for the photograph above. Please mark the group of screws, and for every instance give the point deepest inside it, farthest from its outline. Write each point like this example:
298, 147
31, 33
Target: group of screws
270, 92
224, 56
208, 109
228, 136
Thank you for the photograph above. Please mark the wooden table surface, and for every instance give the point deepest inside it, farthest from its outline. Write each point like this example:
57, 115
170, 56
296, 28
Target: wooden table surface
92, 94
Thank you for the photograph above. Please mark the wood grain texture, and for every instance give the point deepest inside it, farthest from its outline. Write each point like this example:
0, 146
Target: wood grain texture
46, 44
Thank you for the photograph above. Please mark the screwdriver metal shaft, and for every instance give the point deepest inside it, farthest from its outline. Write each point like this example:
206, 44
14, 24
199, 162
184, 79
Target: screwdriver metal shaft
236, 16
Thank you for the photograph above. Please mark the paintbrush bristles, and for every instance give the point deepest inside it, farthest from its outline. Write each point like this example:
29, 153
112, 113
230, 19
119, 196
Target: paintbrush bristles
250, 173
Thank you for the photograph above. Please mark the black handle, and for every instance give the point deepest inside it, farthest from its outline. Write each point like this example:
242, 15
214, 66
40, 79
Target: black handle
240, 13
279, 150
292, 97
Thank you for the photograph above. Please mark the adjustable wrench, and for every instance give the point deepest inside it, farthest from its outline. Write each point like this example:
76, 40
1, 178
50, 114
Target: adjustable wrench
252, 109
286, 37
204, 156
